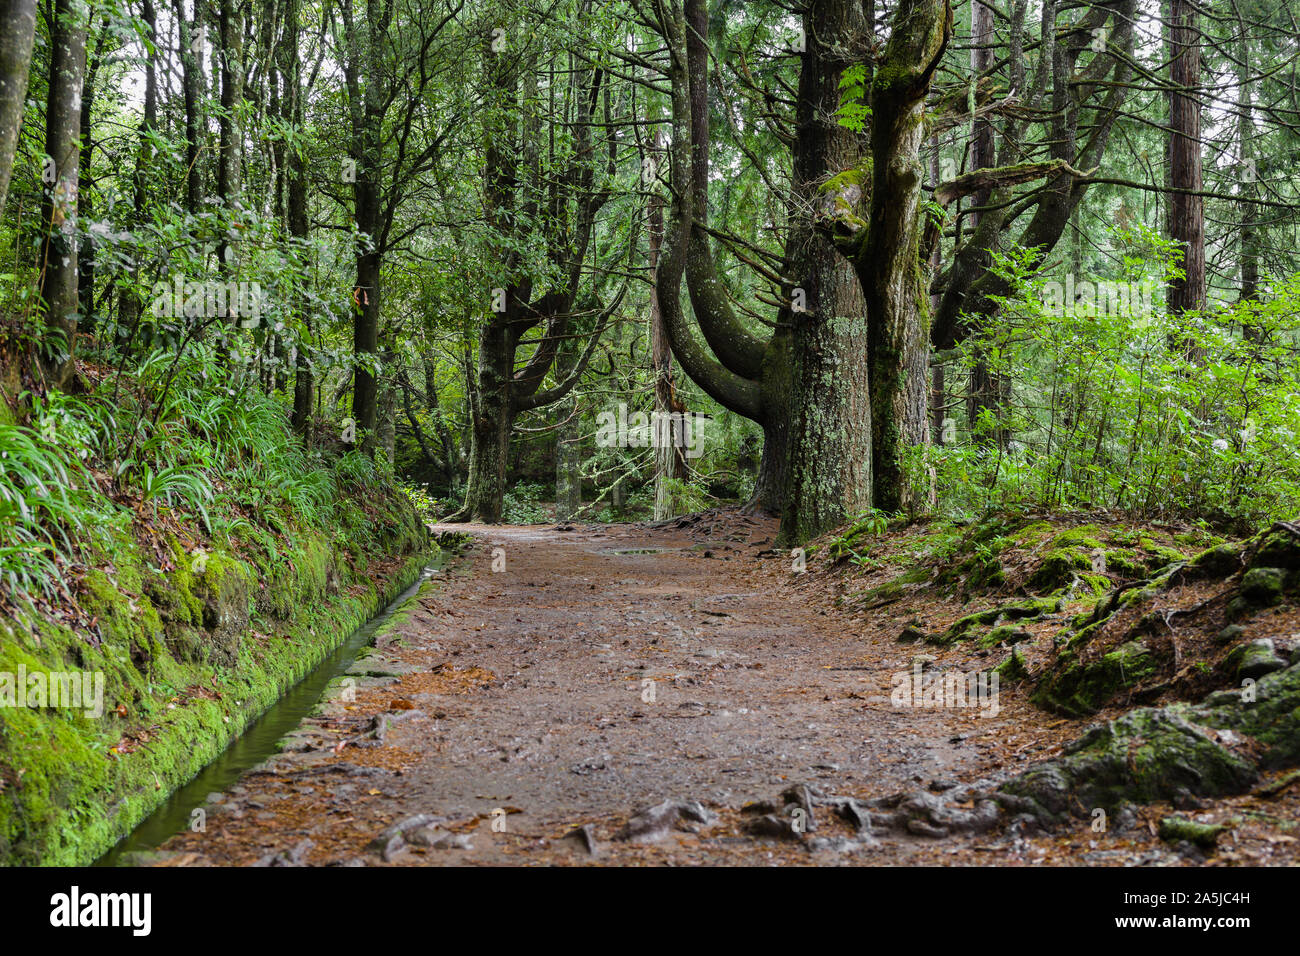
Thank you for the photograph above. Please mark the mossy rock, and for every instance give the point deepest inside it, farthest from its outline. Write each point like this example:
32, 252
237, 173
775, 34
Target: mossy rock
891, 590
982, 624
224, 588
1180, 829
1215, 748
1270, 714
1086, 536
1278, 549
1014, 667
1263, 586
1126, 564
1230, 634
1218, 562
1144, 756
1081, 688
911, 634
1059, 569
1253, 659
1008, 634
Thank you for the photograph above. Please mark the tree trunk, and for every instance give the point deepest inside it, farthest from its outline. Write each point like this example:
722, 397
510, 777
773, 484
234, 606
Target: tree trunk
735, 368
386, 414
670, 462
230, 144
190, 35
492, 419
894, 277
86, 250
1186, 211
450, 456
938, 375
17, 32
1249, 243
829, 474
568, 461
58, 280
365, 322
296, 213
988, 391
132, 305
568, 448
830, 434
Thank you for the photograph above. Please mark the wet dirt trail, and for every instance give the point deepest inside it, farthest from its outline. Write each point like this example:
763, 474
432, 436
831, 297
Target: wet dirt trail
597, 671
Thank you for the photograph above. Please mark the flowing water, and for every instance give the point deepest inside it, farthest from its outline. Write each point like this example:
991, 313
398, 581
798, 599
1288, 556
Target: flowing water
260, 741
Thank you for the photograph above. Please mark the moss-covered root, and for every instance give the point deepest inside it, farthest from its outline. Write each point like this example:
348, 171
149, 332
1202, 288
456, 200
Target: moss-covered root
1111, 655
1144, 756
1175, 753
1213, 748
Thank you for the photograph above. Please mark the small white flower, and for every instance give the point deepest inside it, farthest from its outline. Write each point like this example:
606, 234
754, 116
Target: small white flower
1220, 444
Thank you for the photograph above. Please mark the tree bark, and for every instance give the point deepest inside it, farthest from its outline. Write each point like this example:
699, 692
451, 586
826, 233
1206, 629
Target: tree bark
829, 475
988, 391
17, 32
58, 279
1249, 247
191, 77
1186, 211
568, 459
670, 461
890, 262
131, 304
296, 213
86, 249
230, 143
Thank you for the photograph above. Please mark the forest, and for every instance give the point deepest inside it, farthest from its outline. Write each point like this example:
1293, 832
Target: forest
649, 432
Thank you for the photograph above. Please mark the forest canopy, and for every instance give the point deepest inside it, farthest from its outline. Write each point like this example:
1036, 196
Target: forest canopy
826, 260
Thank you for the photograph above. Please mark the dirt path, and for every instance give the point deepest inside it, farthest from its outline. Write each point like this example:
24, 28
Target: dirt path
596, 672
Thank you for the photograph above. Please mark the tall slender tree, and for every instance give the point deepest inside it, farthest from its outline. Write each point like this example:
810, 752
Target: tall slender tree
61, 174
17, 34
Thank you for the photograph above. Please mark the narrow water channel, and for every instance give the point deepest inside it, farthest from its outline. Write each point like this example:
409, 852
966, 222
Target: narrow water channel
260, 741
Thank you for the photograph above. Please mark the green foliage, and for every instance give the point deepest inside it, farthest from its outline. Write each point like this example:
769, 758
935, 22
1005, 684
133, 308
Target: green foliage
1120, 405
39, 508
854, 112
522, 504
861, 530
183, 437
425, 504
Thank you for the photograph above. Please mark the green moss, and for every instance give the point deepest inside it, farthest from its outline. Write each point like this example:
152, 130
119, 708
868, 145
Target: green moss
74, 784
1013, 668
1004, 634
982, 625
1178, 829
1161, 557
1263, 586
1253, 659
1278, 549
1217, 562
1087, 536
891, 590
1059, 569
859, 176
1124, 563
1080, 688
1144, 756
